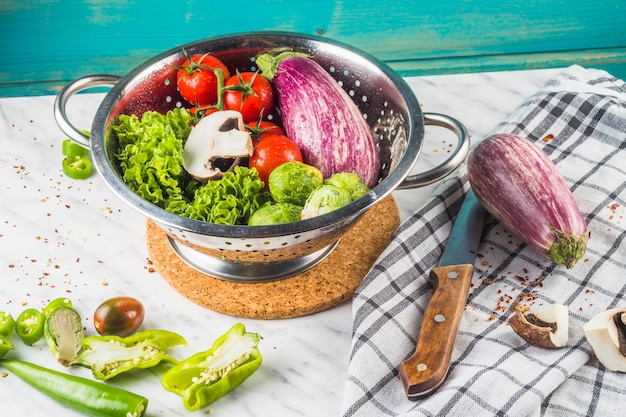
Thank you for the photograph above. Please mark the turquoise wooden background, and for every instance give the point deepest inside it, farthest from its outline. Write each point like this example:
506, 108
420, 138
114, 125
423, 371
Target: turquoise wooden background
46, 43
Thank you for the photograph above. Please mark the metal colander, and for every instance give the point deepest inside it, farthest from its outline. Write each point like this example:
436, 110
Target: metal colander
261, 253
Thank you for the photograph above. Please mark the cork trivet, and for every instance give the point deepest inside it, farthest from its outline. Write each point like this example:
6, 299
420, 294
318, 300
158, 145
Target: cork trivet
325, 285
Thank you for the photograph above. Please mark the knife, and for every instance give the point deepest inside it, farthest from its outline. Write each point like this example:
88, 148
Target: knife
427, 368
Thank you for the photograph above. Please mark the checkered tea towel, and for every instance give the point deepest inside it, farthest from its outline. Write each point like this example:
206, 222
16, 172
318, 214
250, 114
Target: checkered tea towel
579, 120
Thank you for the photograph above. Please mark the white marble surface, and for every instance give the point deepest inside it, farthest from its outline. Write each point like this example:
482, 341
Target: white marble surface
60, 237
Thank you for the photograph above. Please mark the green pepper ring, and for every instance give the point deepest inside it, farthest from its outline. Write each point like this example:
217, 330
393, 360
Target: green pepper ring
77, 167
7, 323
56, 303
71, 148
5, 345
29, 326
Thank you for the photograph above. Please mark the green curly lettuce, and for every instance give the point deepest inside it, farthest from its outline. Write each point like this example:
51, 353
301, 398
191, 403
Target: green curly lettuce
150, 157
150, 154
229, 200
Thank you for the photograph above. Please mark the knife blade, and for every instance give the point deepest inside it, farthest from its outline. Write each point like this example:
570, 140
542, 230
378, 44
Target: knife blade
427, 368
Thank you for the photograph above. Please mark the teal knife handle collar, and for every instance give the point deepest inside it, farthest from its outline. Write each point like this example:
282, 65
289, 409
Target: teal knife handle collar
466, 232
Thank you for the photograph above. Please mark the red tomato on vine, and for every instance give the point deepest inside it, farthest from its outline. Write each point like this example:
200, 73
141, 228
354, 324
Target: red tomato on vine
250, 93
197, 81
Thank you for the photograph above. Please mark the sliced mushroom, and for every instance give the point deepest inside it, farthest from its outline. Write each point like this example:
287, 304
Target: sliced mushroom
219, 137
606, 333
548, 328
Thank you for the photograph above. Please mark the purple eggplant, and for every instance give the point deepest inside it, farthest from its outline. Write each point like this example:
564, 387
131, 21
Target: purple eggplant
521, 188
321, 118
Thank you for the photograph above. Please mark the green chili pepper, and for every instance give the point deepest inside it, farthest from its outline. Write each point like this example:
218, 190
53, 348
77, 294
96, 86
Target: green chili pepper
29, 325
63, 330
56, 303
7, 323
108, 356
87, 396
207, 376
5, 345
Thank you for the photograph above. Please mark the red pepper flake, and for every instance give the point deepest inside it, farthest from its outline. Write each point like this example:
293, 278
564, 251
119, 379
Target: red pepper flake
548, 137
105, 284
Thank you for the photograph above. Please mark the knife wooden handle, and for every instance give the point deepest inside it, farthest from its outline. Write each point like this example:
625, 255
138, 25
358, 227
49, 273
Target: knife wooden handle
426, 369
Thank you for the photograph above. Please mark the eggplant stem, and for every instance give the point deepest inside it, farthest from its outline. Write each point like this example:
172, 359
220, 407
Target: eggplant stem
568, 249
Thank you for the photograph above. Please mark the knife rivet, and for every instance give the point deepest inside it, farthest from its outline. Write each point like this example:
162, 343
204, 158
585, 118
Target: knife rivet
440, 318
452, 275
421, 367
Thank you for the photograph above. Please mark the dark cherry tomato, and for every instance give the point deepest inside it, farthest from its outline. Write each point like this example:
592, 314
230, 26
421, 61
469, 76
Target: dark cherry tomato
196, 79
262, 128
271, 152
120, 316
249, 93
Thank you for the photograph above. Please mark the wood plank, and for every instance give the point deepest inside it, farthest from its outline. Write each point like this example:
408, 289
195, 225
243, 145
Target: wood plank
47, 44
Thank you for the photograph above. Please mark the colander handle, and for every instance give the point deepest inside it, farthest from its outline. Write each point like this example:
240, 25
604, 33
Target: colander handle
60, 103
457, 157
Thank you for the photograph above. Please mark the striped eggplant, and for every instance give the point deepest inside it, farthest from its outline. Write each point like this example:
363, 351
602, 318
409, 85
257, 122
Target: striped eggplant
518, 184
321, 118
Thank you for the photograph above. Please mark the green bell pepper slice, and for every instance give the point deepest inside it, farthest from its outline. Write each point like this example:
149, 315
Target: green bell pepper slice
206, 376
108, 356
5, 345
29, 326
7, 323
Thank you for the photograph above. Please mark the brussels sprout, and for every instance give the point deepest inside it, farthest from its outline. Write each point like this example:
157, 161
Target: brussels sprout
292, 182
325, 199
350, 182
275, 214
